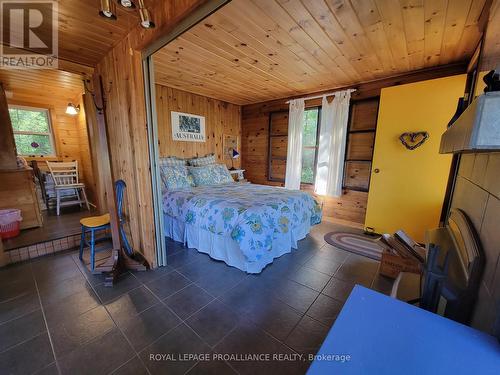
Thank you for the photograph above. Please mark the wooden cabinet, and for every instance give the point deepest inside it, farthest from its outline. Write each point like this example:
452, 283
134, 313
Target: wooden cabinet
17, 190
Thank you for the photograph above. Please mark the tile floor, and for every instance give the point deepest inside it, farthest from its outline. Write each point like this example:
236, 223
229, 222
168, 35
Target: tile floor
56, 318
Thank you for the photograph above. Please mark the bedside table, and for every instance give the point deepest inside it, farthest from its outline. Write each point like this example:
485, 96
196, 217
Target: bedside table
238, 173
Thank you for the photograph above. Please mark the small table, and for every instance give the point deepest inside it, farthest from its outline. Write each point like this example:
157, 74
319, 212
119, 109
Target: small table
238, 173
385, 336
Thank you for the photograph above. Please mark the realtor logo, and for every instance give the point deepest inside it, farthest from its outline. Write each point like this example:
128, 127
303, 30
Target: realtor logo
29, 34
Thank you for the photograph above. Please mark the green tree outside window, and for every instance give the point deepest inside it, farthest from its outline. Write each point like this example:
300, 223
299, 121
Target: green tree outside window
32, 132
309, 144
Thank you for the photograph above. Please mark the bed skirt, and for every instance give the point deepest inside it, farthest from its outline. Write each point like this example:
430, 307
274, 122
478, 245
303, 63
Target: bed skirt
223, 247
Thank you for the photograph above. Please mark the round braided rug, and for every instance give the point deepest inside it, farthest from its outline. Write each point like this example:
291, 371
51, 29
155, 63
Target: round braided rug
355, 243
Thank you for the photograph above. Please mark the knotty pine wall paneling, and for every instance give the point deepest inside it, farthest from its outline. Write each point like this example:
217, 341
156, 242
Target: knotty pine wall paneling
123, 79
65, 131
278, 145
52, 90
221, 118
360, 144
352, 205
7, 144
85, 164
284, 48
123, 63
255, 157
70, 135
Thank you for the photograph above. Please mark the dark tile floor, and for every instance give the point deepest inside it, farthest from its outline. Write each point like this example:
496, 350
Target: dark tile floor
57, 318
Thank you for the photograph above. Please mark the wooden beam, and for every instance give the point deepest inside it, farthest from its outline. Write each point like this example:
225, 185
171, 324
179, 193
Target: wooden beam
93, 139
482, 22
72, 67
106, 177
365, 90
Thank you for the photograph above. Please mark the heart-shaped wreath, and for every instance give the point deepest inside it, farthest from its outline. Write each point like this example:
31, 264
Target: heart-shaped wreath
413, 140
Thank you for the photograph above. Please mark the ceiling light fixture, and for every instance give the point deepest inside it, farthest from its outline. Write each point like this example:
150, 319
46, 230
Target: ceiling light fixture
72, 109
145, 17
108, 9
126, 4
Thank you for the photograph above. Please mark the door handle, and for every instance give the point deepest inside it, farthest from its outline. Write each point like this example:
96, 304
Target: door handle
376, 170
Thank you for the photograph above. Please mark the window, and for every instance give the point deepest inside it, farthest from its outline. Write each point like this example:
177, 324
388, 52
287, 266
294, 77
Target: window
310, 141
32, 131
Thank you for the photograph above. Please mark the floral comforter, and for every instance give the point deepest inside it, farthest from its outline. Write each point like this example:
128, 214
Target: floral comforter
251, 214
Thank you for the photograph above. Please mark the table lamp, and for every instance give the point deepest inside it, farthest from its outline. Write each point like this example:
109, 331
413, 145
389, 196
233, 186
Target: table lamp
233, 154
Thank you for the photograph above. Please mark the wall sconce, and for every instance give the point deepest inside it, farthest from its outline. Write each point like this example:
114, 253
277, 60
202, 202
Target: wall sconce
108, 9
72, 109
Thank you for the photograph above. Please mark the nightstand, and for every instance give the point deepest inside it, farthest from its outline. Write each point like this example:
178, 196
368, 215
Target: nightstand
238, 173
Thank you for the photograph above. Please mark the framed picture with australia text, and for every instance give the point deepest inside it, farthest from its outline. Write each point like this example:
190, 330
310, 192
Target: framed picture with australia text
187, 127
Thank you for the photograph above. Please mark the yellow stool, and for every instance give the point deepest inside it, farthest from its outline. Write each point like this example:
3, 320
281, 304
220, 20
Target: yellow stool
92, 224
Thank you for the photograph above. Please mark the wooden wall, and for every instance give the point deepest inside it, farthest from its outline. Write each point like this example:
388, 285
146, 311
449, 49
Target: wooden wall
121, 72
66, 134
221, 119
7, 144
85, 164
128, 142
70, 134
352, 205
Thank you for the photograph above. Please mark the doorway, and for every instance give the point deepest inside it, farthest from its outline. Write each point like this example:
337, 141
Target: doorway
38, 129
156, 149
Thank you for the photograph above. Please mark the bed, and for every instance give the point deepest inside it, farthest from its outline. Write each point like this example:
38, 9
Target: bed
245, 225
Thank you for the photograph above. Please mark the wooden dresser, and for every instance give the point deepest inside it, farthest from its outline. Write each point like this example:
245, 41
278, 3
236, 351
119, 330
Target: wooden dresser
17, 190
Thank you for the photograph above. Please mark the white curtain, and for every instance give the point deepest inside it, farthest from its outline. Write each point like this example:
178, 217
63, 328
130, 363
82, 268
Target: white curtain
294, 153
332, 143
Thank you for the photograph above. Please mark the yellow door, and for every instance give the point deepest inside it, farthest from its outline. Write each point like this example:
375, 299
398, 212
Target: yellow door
407, 187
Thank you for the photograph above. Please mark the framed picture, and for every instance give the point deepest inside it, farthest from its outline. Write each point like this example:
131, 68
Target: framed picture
187, 127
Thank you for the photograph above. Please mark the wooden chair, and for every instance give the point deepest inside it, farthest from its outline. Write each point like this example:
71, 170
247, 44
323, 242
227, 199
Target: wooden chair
41, 181
98, 223
65, 176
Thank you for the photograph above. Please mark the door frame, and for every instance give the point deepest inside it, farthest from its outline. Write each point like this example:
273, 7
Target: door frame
191, 20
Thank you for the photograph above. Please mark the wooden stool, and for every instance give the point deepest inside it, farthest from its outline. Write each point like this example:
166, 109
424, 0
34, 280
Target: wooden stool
96, 223
92, 225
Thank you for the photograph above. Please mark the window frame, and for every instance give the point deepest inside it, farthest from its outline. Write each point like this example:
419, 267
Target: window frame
316, 148
269, 149
50, 133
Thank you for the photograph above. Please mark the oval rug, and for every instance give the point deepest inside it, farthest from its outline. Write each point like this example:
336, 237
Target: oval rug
355, 243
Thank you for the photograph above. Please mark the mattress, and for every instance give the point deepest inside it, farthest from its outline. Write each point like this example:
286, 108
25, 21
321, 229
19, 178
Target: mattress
245, 225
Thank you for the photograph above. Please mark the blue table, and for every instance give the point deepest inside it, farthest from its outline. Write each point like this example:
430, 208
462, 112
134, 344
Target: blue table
385, 336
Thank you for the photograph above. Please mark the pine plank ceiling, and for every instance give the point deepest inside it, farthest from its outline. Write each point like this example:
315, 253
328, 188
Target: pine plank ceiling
84, 36
257, 50
30, 85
